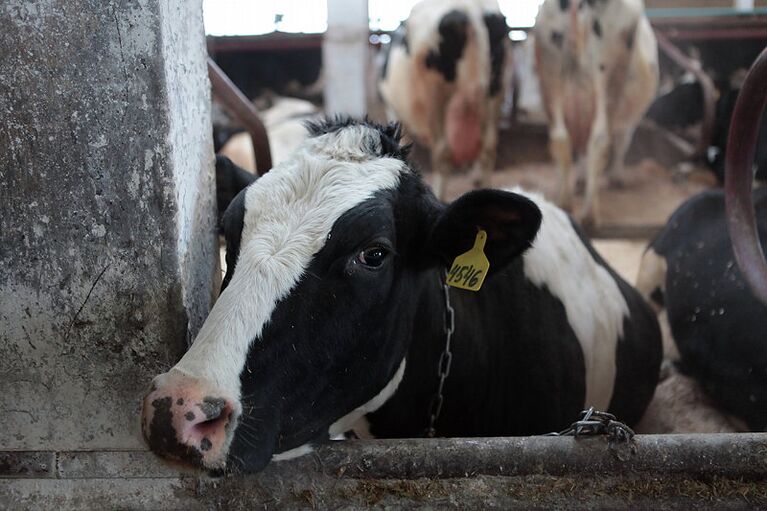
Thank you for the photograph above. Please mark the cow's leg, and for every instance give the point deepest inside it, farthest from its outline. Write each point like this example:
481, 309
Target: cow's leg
621, 140
562, 153
485, 164
598, 155
440, 167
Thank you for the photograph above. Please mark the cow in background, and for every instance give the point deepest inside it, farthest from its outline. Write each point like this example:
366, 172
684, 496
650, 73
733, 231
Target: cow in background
597, 63
715, 327
284, 122
284, 119
444, 78
682, 108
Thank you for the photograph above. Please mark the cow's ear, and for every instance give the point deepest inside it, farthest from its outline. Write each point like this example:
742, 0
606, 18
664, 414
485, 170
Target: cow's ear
510, 220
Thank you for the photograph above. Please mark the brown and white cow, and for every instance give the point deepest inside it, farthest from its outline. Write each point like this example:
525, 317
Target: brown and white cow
444, 79
597, 62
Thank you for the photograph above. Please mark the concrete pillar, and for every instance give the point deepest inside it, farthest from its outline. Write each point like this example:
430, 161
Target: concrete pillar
107, 243
345, 57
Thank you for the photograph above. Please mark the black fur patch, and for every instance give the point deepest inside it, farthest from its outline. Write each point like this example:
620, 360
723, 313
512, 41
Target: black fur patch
230, 180
390, 135
657, 297
497, 31
453, 29
557, 39
232, 223
597, 28
717, 324
628, 38
162, 436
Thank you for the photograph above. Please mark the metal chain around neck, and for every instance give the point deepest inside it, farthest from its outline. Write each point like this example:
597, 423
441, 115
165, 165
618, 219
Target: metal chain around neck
445, 360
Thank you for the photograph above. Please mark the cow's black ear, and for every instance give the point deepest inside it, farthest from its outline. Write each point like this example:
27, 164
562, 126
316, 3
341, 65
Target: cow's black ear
510, 220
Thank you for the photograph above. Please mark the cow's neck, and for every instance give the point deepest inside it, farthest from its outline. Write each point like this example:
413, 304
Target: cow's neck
406, 413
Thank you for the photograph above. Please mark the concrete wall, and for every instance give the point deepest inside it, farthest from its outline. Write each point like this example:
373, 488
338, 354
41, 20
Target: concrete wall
107, 243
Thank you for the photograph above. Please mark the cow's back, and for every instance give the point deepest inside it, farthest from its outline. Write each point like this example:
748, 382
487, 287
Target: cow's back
552, 333
716, 322
616, 328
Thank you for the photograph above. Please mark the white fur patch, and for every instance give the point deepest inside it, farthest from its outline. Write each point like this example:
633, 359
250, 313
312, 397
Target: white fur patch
348, 421
418, 95
301, 450
289, 213
593, 302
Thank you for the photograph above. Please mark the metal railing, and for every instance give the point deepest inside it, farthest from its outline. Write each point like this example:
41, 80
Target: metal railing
240, 106
739, 178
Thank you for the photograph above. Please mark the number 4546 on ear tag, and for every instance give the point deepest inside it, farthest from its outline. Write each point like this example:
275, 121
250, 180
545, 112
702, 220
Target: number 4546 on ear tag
470, 268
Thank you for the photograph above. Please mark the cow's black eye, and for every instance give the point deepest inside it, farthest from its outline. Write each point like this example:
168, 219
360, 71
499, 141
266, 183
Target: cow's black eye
373, 257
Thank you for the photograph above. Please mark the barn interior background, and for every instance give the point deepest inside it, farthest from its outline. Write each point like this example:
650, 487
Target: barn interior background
108, 248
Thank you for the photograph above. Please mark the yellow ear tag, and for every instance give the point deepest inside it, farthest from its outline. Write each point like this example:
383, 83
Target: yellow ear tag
469, 269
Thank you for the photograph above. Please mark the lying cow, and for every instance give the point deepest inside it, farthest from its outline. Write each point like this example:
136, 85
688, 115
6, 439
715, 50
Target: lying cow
284, 123
716, 324
332, 311
597, 64
230, 180
682, 108
444, 79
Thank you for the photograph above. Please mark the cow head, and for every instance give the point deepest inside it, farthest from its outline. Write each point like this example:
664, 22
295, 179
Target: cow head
330, 255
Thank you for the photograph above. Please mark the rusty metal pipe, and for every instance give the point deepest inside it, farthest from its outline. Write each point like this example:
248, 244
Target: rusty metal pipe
707, 86
239, 106
739, 178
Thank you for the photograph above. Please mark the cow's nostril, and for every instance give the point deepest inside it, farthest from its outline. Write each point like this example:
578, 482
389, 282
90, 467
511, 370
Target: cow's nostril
212, 407
214, 415
212, 425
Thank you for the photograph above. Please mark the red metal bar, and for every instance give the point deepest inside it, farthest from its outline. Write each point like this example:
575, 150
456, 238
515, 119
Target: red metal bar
237, 104
716, 33
739, 177
267, 42
706, 83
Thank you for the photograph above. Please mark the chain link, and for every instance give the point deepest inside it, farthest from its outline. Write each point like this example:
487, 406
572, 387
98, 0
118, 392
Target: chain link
592, 422
620, 437
445, 360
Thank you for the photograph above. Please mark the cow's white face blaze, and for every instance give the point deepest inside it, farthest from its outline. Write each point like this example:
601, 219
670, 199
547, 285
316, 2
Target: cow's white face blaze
330, 257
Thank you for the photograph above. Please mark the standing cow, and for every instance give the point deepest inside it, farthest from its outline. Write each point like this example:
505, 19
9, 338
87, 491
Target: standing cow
718, 327
444, 80
597, 62
332, 310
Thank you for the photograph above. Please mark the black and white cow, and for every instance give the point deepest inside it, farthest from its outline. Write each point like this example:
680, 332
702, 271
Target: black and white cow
597, 64
718, 328
332, 311
444, 79
682, 108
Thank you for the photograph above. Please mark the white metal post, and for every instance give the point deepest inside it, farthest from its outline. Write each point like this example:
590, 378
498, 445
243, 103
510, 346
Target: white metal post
345, 57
